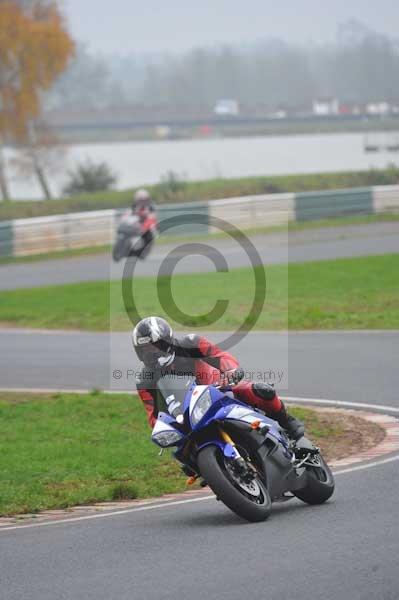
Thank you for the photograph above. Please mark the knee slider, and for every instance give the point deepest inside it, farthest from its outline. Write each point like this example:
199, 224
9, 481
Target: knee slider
264, 391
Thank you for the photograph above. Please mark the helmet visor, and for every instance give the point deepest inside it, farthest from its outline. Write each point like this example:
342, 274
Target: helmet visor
151, 354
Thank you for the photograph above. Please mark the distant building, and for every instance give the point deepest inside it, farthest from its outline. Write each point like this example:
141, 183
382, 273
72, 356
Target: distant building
163, 131
324, 107
227, 107
350, 109
377, 108
278, 114
345, 109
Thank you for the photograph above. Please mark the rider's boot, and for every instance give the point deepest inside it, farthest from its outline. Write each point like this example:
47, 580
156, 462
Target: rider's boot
293, 426
263, 396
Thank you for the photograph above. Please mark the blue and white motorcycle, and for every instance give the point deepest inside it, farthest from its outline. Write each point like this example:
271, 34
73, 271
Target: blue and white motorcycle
245, 457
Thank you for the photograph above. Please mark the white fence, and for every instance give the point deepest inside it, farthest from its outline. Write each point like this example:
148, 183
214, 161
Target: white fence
247, 212
78, 230
386, 198
63, 232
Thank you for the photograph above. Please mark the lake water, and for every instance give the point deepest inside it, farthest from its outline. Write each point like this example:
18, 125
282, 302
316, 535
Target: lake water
139, 163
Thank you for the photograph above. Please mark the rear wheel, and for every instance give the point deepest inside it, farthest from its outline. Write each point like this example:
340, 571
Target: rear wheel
320, 483
145, 251
137, 248
247, 497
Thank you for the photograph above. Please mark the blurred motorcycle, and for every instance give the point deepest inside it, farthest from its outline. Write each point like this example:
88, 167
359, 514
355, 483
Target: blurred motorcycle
135, 236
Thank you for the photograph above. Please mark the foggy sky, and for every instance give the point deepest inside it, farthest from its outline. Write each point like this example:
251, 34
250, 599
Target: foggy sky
126, 26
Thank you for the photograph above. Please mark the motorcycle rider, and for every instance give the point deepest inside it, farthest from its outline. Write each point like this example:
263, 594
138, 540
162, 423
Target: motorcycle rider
142, 203
161, 352
144, 208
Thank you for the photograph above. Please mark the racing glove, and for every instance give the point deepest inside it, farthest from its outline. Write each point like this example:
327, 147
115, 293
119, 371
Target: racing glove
231, 377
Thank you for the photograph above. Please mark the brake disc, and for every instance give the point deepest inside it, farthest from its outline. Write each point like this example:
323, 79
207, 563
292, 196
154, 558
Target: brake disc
251, 487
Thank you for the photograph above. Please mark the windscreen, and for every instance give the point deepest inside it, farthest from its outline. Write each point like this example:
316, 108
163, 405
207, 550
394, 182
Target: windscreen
173, 389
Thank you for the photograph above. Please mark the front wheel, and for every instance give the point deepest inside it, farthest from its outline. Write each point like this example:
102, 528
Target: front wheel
117, 252
320, 483
248, 499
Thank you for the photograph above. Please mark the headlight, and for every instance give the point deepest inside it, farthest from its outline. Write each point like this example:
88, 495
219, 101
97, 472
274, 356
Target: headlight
203, 404
166, 438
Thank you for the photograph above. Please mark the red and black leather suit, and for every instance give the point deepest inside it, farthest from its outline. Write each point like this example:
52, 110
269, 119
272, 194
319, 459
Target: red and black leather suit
196, 355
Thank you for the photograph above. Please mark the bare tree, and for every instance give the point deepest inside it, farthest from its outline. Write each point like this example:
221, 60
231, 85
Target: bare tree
38, 155
3, 179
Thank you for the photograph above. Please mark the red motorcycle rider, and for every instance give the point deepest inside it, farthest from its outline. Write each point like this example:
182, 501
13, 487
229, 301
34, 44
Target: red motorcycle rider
195, 355
144, 209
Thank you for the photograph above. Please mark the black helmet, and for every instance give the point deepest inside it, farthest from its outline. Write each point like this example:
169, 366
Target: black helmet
153, 342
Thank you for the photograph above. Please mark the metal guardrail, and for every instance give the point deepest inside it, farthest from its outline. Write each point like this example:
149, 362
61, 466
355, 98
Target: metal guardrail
247, 212
6, 238
310, 206
62, 232
78, 230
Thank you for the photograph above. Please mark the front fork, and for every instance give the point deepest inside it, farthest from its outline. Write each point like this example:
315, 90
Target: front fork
226, 444
243, 467
229, 450
230, 447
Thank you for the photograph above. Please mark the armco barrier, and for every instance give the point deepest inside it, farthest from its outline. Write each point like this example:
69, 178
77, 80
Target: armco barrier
95, 231
167, 212
95, 228
255, 211
62, 232
6, 238
310, 206
78, 230
385, 198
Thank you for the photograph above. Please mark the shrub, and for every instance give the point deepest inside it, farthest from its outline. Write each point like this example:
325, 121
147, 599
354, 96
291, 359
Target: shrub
171, 188
174, 189
89, 177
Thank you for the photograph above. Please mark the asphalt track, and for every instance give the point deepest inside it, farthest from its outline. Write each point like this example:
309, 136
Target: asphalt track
345, 549
320, 244
352, 366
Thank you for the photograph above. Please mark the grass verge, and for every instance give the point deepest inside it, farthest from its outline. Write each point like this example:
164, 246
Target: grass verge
182, 191
291, 226
61, 450
355, 293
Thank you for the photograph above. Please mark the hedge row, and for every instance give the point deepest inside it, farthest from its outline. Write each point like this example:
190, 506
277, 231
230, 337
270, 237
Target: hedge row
174, 190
